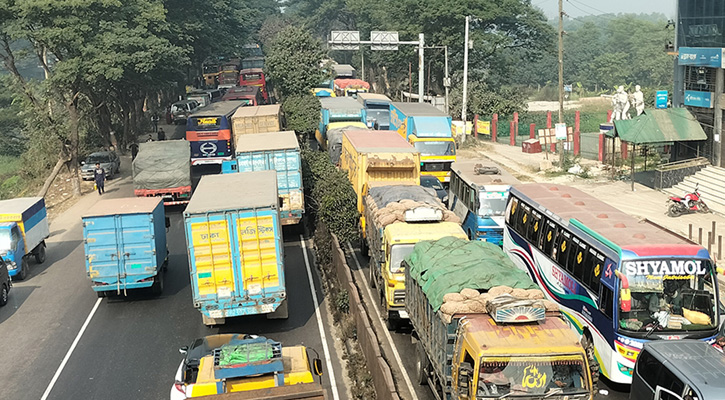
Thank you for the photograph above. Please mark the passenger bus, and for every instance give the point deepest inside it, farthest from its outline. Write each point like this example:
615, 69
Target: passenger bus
254, 77
248, 95
209, 132
620, 281
477, 195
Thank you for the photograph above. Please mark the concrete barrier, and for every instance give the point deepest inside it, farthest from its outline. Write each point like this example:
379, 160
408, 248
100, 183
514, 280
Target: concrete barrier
379, 368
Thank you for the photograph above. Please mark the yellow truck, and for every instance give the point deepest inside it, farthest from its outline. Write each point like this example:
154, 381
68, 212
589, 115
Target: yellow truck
256, 119
482, 331
235, 248
246, 367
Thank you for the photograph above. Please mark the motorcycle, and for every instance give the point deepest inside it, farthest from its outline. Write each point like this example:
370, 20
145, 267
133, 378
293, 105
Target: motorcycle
691, 203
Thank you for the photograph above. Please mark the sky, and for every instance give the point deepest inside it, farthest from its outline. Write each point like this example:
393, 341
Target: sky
579, 8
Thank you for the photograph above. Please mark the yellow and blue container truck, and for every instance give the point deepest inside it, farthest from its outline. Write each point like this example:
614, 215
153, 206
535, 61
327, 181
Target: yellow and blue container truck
234, 240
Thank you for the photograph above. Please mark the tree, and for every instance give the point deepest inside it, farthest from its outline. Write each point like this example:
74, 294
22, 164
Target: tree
294, 60
302, 113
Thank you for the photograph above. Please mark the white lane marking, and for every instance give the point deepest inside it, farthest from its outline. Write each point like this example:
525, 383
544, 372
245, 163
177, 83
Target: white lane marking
385, 330
70, 351
328, 360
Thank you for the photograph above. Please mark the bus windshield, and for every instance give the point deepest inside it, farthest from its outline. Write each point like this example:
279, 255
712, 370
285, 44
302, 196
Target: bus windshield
492, 203
397, 254
669, 295
435, 148
532, 376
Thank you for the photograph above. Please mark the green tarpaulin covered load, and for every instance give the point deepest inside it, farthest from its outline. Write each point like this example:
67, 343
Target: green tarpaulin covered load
162, 165
450, 264
235, 354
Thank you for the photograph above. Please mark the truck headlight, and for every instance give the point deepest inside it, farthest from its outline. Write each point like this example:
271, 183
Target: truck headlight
11, 265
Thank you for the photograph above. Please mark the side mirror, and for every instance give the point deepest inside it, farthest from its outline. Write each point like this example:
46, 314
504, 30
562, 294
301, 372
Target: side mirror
317, 366
83, 163
168, 222
183, 349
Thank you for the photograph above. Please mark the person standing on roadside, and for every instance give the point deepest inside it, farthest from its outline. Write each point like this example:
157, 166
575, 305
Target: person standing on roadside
155, 121
134, 150
161, 134
99, 175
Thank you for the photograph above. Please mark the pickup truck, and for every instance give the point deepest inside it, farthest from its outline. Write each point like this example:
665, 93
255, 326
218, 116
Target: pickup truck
234, 242
246, 367
23, 230
482, 330
125, 245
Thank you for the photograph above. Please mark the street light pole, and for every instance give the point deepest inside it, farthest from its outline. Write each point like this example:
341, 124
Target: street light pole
447, 79
561, 78
465, 74
421, 61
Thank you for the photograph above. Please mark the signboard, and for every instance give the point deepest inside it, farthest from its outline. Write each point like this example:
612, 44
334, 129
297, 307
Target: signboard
560, 131
701, 56
661, 99
484, 127
384, 40
345, 40
698, 99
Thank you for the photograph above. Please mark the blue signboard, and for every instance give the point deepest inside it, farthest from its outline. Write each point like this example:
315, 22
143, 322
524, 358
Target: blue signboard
698, 99
661, 99
701, 56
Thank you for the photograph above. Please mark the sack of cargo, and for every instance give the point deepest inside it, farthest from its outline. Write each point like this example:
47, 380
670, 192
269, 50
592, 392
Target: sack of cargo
450, 264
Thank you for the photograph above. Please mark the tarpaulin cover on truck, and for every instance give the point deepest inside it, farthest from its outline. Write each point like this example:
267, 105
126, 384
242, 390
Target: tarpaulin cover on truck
162, 165
246, 353
450, 265
384, 195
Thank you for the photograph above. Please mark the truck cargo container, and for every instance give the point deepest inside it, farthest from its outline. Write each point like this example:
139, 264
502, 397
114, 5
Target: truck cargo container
378, 158
397, 217
277, 151
512, 348
337, 110
234, 242
162, 169
429, 130
125, 244
258, 119
23, 230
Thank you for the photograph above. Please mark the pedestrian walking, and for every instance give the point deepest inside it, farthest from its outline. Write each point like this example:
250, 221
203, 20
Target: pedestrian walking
155, 121
99, 175
161, 135
169, 120
134, 150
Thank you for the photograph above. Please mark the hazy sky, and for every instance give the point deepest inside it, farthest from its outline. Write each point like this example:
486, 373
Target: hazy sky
578, 8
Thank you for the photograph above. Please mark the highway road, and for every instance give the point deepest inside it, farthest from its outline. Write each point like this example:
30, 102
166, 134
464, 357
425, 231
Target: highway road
401, 340
128, 348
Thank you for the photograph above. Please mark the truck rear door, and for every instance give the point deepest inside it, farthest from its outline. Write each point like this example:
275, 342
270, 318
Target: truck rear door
120, 249
289, 178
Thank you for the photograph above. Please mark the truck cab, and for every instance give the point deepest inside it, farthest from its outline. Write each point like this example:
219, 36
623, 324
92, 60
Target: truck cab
23, 230
12, 248
388, 275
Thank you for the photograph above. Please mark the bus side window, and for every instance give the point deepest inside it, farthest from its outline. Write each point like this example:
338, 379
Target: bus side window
563, 245
576, 260
523, 220
593, 270
606, 302
549, 238
532, 233
510, 215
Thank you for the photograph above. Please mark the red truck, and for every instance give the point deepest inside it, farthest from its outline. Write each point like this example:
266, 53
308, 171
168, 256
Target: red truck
162, 169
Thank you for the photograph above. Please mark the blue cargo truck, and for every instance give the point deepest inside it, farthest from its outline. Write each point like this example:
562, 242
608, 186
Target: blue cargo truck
23, 230
234, 241
338, 112
125, 244
278, 151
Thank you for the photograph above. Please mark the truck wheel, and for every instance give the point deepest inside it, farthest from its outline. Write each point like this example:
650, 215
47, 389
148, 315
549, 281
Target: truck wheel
421, 365
23, 270
282, 312
40, 253
588, 345
4, 294
158, 286
102, 294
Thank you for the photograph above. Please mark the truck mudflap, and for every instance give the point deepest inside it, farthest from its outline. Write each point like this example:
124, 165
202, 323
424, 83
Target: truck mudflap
303, 391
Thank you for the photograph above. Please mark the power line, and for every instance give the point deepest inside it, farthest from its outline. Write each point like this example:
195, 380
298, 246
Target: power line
588, 6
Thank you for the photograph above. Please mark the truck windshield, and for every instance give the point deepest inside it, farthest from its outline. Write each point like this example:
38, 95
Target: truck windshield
669, 295
5, 240
532, 377
492, 203
397, 254
436, 148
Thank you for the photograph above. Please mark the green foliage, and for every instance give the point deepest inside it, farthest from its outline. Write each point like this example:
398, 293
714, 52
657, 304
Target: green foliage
302, 113
330, 195
484, 100
293, 62
342, 301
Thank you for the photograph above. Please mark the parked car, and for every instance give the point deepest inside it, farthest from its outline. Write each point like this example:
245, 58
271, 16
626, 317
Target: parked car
182, 109
109, 161
433, 183
5, 283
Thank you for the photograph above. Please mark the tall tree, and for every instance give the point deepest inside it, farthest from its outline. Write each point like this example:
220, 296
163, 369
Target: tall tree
294, 60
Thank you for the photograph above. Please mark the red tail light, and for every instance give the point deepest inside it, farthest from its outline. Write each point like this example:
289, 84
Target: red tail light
180, 387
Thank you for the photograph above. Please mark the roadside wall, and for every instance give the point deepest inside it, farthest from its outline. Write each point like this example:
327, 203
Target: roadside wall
379, 369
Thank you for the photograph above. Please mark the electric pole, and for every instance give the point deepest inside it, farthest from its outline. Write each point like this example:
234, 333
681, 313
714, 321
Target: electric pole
465, 75
561, 79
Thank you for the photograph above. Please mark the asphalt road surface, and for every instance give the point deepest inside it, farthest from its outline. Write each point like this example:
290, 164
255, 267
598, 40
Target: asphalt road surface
129, 345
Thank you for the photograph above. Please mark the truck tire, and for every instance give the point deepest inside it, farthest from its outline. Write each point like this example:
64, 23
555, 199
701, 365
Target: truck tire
158, 286
23, 273
102, 294
282, 312
4, 294
40, 253
422, 365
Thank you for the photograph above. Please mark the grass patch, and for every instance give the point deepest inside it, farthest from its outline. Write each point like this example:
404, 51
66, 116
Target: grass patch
11, 184
9, 166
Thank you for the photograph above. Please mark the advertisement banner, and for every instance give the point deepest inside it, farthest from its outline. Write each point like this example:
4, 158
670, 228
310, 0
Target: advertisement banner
484, 127
698, 99
661, 99
701, 57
